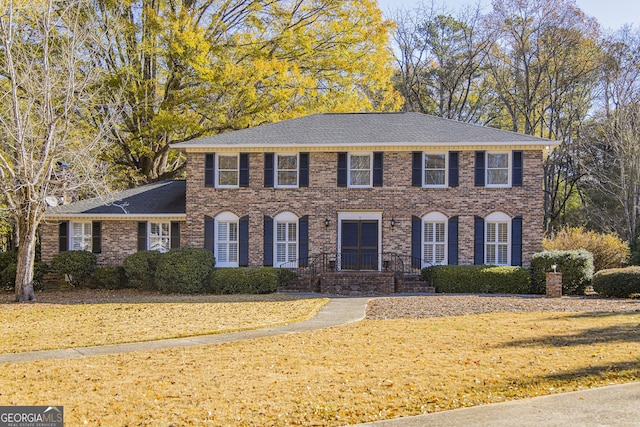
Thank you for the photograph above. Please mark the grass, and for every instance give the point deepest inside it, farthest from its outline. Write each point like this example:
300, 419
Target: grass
45, 326
370, 370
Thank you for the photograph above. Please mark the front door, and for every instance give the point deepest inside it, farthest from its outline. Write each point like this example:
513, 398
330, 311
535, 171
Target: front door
359, 245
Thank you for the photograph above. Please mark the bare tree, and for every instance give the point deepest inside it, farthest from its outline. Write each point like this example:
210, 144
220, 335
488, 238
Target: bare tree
46, 90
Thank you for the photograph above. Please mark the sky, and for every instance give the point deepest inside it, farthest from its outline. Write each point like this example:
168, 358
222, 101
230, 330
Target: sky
611, 14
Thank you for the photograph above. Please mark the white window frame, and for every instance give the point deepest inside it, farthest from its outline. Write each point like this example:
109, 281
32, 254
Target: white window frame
218, 170
486, 169
349, 170
276, 170
161, 237
497, 218
446, 169
227, 218
431, 219
85, 239
287, 218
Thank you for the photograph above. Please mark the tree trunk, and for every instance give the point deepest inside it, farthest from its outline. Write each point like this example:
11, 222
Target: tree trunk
26, 258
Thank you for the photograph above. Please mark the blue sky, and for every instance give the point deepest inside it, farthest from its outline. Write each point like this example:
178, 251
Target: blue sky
611, 14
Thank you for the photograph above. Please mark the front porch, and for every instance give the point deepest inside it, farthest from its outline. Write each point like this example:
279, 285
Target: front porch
339, 274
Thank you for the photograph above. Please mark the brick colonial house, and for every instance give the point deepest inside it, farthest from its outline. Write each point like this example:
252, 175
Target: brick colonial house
361, 191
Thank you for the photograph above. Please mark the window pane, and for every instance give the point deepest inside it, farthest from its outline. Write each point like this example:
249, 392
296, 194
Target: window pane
287, 178
497, 176
228, 162
439, 255
281, 252
497, 160
491, 232
434, 161
287, 162
434, 177
503, 233
439, 234
233, 231
292, 236
223, 231
227, 177
222, 254
281, 232
491, 254
360, 177
502, 254
360, 162
428, 232
428, 253
292, 255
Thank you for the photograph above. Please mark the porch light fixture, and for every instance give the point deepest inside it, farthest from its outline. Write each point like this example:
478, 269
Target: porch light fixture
393, 222
326, 222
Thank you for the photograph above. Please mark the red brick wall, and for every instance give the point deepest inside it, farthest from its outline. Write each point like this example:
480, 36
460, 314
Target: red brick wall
397, 199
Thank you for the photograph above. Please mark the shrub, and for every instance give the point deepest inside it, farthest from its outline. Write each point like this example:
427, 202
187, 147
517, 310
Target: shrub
246, 280
286, 277
184, 270
617, 282
78, 265
608, 250
576, 268
477, 279
140, 269
108, 277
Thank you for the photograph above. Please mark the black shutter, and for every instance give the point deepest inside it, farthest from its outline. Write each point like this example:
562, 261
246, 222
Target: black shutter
478, 241
268, 241
243, 242
416, 169
304, 170
378, 168
244, 170
96, 237
480, 169
342, 169
175, 235
517, 169
452, 241
142, 236
209, 170
516, 241
209, 234
63, 236
303, 247
454, 162
416, 242
268, 169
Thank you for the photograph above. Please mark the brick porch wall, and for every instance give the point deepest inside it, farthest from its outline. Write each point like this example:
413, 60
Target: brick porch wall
397, 199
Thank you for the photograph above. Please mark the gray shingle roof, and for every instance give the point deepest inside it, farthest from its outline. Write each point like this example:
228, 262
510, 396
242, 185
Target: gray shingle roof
365, 129
163, 197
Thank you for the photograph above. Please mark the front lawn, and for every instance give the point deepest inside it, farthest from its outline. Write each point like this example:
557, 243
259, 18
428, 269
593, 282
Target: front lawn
369, 370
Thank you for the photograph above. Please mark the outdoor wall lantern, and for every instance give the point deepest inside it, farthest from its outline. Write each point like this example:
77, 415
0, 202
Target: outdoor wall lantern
326, 222
393, 222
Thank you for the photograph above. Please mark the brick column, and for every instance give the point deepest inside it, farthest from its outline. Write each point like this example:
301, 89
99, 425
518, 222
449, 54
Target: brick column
554, 285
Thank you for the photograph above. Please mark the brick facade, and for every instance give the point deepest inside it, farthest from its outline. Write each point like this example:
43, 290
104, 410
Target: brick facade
119, 240
396, 199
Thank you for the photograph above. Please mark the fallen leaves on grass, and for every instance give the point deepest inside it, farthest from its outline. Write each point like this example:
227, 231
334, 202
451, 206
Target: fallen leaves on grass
42, 326
365, 371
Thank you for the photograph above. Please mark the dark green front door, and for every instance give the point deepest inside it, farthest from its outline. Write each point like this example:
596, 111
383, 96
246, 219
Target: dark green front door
359, 245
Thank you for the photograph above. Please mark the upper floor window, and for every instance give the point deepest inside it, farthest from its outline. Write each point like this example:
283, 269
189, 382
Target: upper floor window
434, 239
435, 170
80, 236
497, 239
498, 170
228, 170
360, 170
159, 236
286, 170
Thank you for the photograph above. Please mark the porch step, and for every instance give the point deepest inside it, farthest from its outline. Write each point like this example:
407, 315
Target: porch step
416, 287
357, 283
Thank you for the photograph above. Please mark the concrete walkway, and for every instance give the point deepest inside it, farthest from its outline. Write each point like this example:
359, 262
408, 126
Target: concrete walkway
338, 311
614, 406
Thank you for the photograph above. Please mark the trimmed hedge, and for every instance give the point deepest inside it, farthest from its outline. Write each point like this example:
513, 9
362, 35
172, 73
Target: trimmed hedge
108, 277
140, 269
474, 279
246, 280
617, 282
78, 265
184, 270
576, 268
